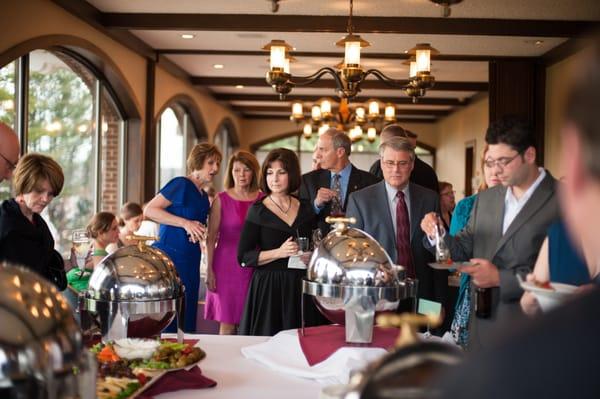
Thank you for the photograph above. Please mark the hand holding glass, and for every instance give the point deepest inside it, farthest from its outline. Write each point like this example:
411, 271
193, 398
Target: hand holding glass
442, 253
302, 244
81, 244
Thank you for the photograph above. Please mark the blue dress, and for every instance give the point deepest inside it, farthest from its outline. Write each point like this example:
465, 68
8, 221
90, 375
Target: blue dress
188, 202
462, 310
564, 262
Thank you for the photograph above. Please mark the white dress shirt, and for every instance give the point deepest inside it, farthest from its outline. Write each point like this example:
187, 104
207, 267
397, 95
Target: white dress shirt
512, 205
393, 201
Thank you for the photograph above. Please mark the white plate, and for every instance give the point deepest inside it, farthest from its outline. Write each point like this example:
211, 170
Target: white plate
549, 298
448, 266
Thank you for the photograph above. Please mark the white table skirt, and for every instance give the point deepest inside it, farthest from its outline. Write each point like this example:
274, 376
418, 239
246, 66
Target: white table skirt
238, 377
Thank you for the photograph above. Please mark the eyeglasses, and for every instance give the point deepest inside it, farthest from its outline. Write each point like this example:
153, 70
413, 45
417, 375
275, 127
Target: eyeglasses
501, 162
393, 164
11, 166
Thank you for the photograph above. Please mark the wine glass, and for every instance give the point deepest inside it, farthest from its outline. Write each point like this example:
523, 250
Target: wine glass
81, 244
302, 244
442, 253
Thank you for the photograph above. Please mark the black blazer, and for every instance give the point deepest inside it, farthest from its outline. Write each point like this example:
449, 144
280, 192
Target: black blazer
29, 244
312, 181
422, 174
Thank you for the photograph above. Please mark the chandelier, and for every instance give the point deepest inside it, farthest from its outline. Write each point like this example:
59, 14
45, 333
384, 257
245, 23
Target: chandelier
354, 120
349, 75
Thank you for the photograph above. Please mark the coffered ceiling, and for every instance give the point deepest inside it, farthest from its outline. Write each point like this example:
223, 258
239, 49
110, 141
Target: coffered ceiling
232, 32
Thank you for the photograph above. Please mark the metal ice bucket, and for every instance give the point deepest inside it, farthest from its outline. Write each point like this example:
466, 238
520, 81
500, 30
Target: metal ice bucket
351, 277
133, 292
41, 349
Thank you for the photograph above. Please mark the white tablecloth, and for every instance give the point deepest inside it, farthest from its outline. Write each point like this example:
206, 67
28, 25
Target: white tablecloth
238, 377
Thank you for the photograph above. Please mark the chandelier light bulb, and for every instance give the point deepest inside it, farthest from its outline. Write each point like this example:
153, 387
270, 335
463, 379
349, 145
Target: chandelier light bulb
413, 70
371, 133
390, 113
278, 58
352, 53
373, 109
286, 65
323, 128
423, 57
315, 113
297, 111
307, 130
360, 114
325, 108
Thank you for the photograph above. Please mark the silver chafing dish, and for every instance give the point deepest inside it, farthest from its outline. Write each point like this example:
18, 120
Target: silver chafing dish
351, 277
41, 349
133, 292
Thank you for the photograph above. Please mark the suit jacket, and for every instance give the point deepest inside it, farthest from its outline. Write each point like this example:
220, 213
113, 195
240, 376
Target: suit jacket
371, 209
422, 174
312, 181
513, 252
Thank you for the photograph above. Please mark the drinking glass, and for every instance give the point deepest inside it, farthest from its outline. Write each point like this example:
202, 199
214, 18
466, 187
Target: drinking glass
302, 244
442, 253
317, 237
81, 243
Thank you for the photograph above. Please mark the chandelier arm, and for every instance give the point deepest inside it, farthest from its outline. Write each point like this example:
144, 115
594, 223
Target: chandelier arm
310, 79
386, 79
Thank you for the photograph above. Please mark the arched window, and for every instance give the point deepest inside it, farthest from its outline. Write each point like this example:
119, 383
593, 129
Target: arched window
61, 108
225, 141
176, 137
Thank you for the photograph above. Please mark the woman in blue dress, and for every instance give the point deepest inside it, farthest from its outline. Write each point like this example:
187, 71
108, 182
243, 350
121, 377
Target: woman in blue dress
181, 207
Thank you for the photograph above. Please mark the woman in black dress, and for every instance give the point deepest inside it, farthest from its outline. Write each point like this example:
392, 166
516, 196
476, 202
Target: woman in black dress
266, 243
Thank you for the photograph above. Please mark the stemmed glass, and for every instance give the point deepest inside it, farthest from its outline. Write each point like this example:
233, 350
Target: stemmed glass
81, 244
317, 237
442, 253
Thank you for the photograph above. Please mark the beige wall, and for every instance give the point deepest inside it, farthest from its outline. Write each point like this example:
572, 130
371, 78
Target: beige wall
558, 80
453, 134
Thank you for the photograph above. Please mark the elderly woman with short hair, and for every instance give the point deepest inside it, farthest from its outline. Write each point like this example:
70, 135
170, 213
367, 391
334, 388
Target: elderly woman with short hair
24, 236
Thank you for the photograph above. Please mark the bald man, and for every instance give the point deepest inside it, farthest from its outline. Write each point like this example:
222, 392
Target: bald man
9, 151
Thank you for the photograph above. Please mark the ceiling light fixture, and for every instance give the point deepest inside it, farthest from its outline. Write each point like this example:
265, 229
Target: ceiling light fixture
187, 36
239, 86
218, 66
445, 4
350, 74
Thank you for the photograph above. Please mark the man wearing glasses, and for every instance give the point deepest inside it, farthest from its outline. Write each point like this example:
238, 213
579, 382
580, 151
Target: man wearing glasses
9, 152
506, 229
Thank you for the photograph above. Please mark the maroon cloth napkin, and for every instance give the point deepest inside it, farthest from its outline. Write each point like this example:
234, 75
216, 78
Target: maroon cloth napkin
178, 380
318, 343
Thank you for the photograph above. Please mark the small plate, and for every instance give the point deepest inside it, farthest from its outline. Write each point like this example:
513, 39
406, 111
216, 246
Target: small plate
548, 298
449, 266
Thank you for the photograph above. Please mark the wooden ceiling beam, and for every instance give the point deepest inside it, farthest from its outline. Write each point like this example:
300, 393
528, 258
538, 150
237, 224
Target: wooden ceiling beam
281, 117
338, 23
329, 83
360, 99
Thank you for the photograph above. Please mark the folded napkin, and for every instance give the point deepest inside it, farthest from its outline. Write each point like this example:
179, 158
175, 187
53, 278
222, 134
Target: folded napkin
176, 381
318, 343
283, 354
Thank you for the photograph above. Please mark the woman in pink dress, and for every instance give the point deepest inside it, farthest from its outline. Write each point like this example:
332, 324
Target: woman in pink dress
226, 280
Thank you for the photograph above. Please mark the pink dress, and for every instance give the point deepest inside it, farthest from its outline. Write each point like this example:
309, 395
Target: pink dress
226, 303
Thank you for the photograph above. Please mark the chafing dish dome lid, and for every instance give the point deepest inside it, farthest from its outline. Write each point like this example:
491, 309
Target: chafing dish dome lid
39, 333
135, 273
351, 257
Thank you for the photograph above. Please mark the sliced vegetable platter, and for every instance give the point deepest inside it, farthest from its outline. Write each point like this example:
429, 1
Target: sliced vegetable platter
128, 366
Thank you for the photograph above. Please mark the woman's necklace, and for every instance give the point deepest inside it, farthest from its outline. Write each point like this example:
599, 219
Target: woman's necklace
285, 212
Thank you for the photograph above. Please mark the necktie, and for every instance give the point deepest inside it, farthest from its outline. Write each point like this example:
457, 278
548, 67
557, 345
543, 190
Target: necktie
403, 236
336, 203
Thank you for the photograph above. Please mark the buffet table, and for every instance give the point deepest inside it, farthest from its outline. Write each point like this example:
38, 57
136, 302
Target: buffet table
238, 377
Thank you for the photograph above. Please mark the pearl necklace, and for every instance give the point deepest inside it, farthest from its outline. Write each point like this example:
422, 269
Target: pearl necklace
279, 207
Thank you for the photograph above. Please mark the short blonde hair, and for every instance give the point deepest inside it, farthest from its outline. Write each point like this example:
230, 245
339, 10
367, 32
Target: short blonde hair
200, 153
248, 160
33, 169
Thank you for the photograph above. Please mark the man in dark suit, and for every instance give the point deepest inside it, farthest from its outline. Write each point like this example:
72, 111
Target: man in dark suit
377, 211
506, 229
555, 356
422, 173
319, 186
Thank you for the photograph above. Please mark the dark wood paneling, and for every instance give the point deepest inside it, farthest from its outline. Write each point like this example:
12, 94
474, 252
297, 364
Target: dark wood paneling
562, 51
364, 54
337, 23
292, 97
518, 88
329, 83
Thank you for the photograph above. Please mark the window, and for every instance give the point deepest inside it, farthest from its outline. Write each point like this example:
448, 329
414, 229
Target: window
71, 117
176, 138
8, 103
225, 144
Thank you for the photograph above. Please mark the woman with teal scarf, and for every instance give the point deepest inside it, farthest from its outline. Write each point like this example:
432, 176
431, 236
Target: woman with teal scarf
460, 218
